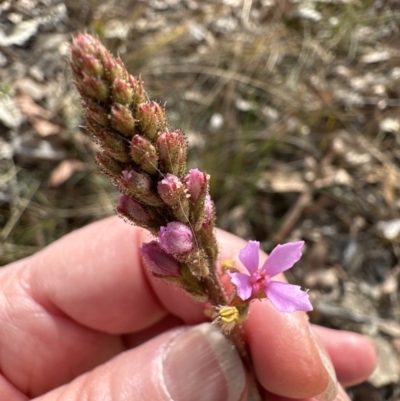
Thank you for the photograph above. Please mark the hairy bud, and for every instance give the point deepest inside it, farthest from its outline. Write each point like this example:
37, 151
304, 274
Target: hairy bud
176, 238
172, 151
144, 154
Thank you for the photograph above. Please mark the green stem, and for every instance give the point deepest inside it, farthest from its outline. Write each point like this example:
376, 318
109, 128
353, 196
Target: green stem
218, 297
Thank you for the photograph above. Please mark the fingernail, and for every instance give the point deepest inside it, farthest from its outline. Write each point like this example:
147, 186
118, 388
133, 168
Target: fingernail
331, 391
201, 364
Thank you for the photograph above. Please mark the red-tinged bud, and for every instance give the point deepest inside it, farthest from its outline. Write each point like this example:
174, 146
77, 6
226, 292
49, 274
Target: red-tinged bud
114, 69
151, 118
196, 183
139, 186
144, 154
122, 119
171, 190
174, 194
94, 88
139, 94
176, 238
113, 144
209, 210
91, 66
122, 92
96, 112
132, 210
158, 261
110, 166
88, 44
172, 152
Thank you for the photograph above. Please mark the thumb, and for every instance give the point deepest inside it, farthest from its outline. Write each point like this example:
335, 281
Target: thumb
186, 364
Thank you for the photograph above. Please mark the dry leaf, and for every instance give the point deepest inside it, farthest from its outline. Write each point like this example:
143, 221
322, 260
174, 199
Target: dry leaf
44, 127
31, 109
64, 171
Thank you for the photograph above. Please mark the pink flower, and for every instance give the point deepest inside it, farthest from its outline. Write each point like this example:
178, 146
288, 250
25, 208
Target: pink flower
284, 297
176, 238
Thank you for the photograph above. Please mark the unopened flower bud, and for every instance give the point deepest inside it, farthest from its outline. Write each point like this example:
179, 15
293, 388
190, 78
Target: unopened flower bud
176, 238
96, 112
132, 210
85, 62
110, 167
159, 262
139, 94
151, 118
114, 69
139, 186
196, 182
113, 144
174, 194
122, 119
94, 87
172, 151
171, 190
122, 92
144, 154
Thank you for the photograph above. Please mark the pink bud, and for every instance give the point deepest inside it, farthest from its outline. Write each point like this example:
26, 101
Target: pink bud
158, 261
208, 209
132, 210
195, 181
171, 189
176, 238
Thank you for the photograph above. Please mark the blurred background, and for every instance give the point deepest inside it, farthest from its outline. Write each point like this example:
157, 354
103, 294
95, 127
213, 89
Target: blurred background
291, 106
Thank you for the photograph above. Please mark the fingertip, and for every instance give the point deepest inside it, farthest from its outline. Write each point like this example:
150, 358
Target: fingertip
353, 355
286, 358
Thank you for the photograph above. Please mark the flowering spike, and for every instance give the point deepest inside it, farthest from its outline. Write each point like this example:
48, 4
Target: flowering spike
176, 238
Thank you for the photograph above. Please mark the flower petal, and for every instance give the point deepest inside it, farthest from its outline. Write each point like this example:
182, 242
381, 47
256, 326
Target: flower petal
249, 256
242, 283
287, 297
282, 258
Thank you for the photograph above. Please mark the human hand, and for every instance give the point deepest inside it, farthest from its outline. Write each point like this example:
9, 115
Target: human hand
82, 320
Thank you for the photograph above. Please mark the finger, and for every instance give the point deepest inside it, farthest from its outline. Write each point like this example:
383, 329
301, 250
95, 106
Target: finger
9, 392
196, 364
39, 349
341, 396
94, 275
353, 355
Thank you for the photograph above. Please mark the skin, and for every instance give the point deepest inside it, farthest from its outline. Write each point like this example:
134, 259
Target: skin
87, 298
